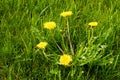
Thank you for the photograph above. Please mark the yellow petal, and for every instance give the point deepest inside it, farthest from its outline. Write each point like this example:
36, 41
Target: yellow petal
42, 45
66, 13
49, 25
93, 24
65, 59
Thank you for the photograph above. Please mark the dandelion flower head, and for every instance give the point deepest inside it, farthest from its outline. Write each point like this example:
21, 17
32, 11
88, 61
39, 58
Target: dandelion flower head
65, 59
49, 25
92, 24
66, 13
42, 45
61, 30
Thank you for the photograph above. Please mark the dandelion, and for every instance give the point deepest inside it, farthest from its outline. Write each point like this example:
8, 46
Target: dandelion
65, 59
61, 30
93, 24
49, 25
41, 45
66, 13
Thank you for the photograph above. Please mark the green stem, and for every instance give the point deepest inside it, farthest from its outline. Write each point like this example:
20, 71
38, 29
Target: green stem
68, 35
45, 54
92, 33
91, 36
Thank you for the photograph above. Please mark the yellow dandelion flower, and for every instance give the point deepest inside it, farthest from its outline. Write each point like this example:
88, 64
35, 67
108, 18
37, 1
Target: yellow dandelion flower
61, 30
66, 13
65, 59
49, 25
41, 45
92, 24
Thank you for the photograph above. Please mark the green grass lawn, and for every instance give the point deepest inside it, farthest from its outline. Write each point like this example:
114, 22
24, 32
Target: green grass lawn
94, 50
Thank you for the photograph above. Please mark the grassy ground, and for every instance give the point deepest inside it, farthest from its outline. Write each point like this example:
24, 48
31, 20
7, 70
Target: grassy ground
21, 29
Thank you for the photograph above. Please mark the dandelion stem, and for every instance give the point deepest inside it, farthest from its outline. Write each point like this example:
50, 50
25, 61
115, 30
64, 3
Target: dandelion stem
92, 33
45, 54
68, 35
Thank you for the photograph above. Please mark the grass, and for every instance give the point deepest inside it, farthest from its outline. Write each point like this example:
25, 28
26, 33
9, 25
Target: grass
21, 29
